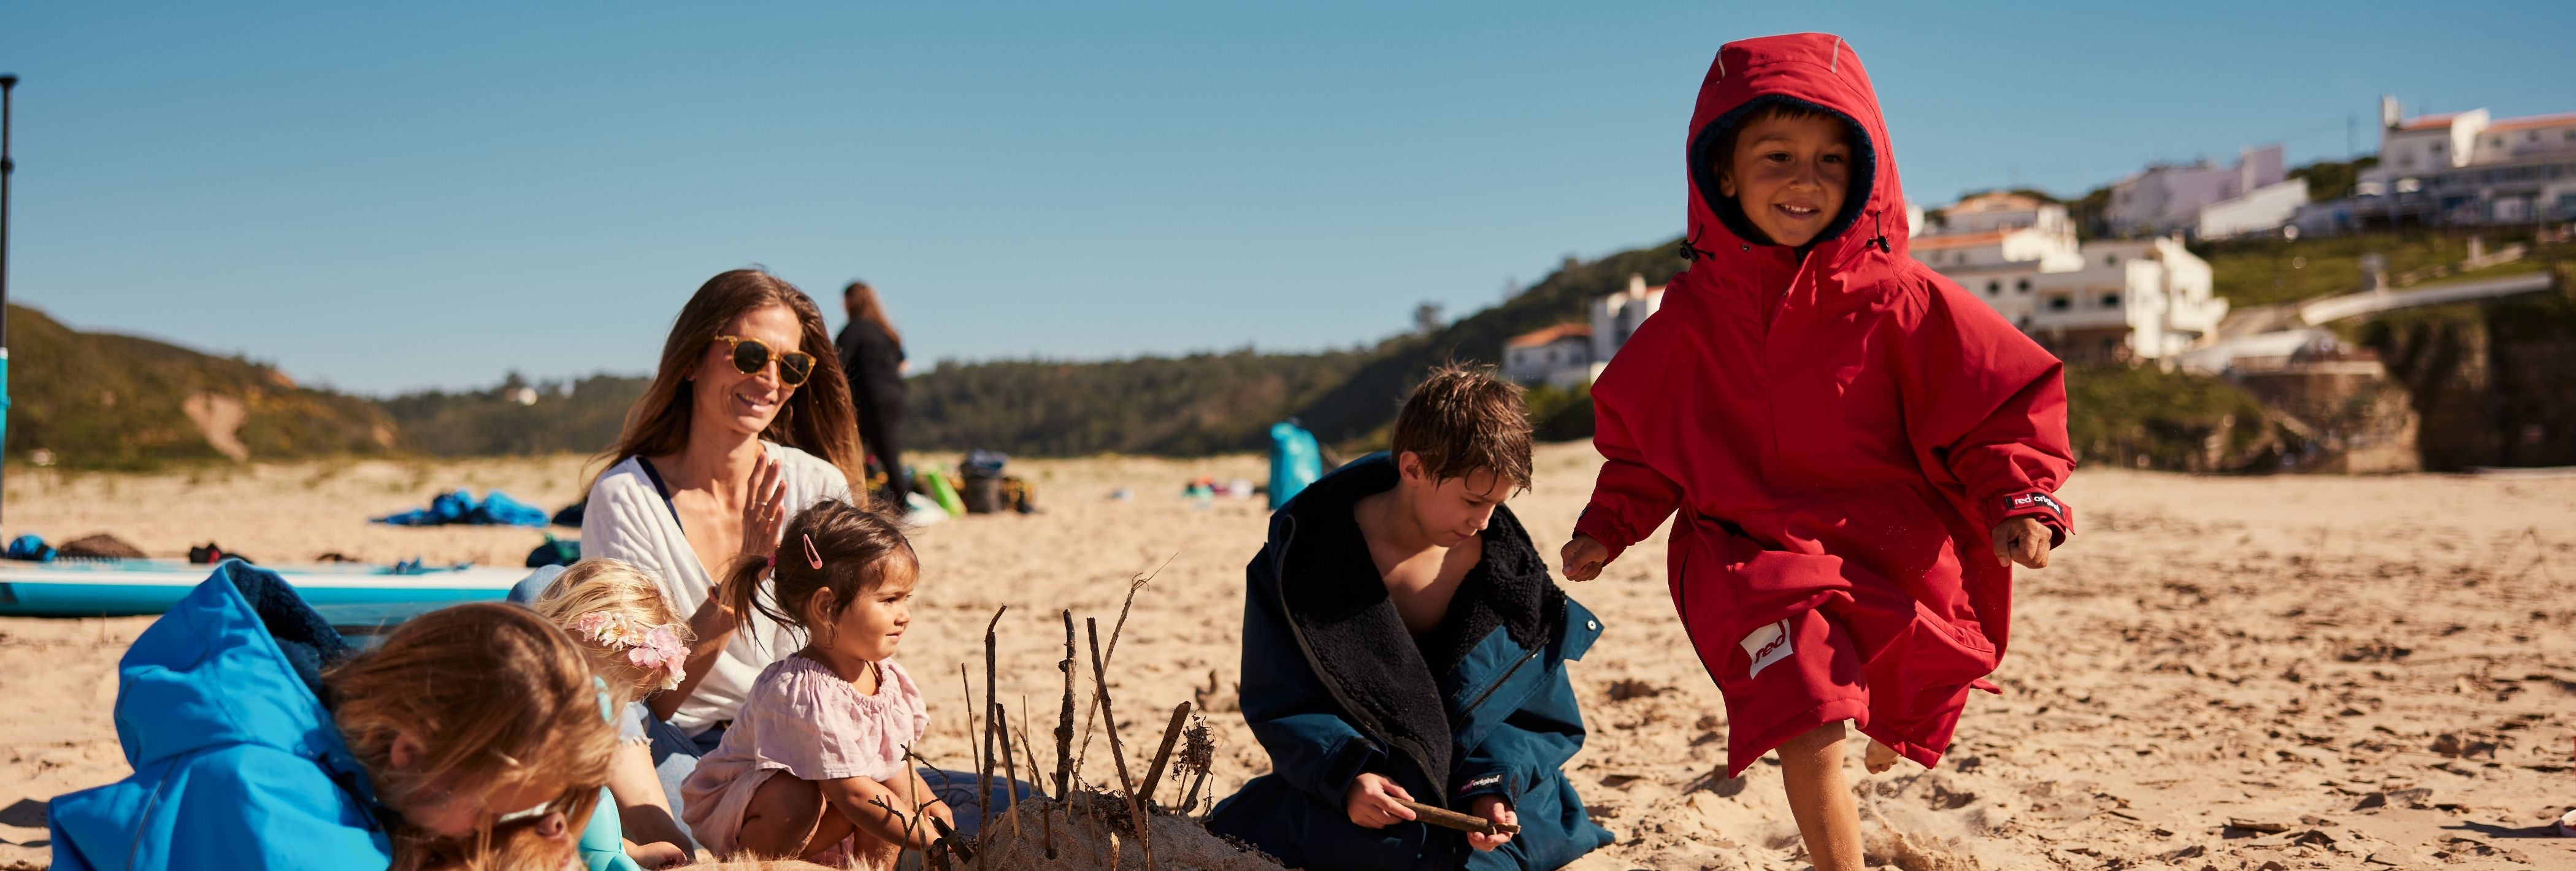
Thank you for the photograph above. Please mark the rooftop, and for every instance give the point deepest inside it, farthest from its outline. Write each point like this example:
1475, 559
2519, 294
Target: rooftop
1945, 241
2532, 122
1558, 333
2428, 122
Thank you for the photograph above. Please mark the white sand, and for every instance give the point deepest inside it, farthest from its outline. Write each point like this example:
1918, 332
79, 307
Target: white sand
2205, 649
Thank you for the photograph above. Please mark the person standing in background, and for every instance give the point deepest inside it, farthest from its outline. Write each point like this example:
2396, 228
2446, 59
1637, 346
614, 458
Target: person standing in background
872, 355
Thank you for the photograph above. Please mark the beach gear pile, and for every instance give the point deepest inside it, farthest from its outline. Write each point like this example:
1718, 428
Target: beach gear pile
460, 507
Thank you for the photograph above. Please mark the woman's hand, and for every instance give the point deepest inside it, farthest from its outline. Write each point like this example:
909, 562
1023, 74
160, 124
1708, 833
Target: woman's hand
1370, 802
764, 511
1496, 808
1584, 558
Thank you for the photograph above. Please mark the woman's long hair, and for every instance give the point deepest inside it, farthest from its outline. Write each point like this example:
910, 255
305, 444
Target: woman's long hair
817, 417
864, 306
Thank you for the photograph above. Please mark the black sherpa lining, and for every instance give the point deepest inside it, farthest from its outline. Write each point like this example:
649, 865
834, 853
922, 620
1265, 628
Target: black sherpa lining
309, 642
1335, 597
1704, 171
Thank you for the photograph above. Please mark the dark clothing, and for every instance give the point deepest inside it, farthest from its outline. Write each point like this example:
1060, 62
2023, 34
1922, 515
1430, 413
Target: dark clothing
1333, 686
874, 362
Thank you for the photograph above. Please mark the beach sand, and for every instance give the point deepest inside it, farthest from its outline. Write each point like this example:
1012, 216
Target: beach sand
2382, 669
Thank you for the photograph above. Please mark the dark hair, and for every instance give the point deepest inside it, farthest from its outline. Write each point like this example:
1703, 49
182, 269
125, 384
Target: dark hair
817, 417
864, 306
1464, 420
855, 546
1723, 151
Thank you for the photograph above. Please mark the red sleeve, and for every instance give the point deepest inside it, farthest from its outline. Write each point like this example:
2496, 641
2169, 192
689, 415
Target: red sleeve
1987, 406
1630, 498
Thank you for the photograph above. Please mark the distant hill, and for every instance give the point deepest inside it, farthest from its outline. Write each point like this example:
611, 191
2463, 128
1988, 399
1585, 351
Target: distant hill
579, 417
1192, 405
103, 400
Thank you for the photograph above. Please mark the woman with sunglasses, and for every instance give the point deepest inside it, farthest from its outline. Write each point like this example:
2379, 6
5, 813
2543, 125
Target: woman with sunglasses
747, 421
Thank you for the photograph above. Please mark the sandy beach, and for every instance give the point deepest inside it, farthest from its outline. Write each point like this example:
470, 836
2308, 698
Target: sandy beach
2356, 672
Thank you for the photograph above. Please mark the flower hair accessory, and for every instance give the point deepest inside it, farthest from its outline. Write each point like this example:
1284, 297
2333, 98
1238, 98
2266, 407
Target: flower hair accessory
651, 648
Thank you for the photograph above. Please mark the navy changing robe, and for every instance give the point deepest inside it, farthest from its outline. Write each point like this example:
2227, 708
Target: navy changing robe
1333, 686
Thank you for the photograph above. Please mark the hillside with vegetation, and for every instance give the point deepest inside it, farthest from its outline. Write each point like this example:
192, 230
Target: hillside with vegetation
104, 400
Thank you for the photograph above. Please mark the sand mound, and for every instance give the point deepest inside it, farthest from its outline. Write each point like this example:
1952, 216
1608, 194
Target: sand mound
1091, 831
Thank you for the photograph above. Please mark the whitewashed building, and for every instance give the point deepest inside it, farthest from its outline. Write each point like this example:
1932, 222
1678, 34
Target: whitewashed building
2469, 168
2090, 302
2254, 195
1558, 356
1572, 354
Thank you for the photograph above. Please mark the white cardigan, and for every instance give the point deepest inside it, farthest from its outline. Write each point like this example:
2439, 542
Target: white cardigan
627, 519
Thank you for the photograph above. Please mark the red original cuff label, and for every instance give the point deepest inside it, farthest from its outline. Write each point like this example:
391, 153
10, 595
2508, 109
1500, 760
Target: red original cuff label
2034, 499
1485, 782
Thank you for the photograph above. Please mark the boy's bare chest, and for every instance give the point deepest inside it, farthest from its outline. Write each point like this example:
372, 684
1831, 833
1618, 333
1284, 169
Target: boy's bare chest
1422, 585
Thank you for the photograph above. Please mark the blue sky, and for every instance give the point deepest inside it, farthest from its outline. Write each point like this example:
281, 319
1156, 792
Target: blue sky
383, 197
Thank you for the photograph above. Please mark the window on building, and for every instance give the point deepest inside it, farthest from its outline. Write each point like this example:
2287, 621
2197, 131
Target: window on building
2059, 303
2497, 141
2110, 260
2110, 300
2436, 148
1994, 287
2022, 285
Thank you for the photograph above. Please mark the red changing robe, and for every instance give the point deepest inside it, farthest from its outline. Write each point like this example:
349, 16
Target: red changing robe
1840, 429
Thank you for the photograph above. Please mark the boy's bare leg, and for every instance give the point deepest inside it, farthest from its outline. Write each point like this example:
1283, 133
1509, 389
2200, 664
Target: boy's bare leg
1881, 757
1812, 767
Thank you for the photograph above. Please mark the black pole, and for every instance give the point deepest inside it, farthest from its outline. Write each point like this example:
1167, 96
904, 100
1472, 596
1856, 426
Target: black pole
8, 83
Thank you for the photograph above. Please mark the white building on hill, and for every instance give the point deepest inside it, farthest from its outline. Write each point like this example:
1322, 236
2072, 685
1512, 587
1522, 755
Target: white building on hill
1572, 354
2208, 200
2091, 302
2468, 168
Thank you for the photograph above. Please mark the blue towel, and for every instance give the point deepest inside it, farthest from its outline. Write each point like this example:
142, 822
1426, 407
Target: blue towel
31, 548
460, 506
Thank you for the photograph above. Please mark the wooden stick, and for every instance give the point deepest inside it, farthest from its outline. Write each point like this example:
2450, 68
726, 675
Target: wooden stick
1064, 721
1010, 770
984, 771
1046, 821
1171, 733
1118, 753
966, 687
1449, 819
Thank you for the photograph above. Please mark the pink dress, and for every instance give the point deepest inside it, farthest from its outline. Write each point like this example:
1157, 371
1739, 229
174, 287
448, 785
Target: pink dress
804, 720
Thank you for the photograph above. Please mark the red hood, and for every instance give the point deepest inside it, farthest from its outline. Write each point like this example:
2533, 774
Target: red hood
1818, 69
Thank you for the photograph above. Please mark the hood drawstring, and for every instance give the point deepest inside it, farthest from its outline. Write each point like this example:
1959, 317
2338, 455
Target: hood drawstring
1877, 224
1691, 252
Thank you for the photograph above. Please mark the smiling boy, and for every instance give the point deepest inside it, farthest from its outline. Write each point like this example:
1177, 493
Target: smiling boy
1403, 641
1857, 449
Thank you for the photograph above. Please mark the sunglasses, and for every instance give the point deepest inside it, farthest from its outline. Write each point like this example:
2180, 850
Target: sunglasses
751, 355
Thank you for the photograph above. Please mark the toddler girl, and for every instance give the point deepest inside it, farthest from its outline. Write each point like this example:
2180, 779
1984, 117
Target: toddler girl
636, 645
813, 765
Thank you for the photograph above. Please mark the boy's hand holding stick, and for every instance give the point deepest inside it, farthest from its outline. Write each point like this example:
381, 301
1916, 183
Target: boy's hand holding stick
1449, 819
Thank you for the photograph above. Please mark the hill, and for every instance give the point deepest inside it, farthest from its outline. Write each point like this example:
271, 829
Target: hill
104, 400
579, 417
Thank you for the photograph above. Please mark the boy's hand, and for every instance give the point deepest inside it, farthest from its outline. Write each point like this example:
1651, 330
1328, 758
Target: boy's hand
1492, 807
1371, 802
1584, 558
2022, 540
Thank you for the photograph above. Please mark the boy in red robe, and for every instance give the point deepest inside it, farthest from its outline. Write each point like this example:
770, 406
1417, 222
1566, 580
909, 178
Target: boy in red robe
1858, 449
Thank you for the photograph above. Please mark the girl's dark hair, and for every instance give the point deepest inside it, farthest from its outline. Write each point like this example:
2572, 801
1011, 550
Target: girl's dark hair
856, 546
864, 306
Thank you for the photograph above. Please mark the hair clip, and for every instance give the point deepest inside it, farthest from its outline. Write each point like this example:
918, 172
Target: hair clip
813, 557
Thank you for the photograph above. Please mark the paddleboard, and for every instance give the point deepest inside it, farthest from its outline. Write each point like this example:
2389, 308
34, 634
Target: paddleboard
347, 594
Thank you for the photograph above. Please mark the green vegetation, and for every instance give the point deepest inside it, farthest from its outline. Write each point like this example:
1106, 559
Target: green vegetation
2270, 271
102, 400
580, 417
2148, 418
2333, 180
1193, 405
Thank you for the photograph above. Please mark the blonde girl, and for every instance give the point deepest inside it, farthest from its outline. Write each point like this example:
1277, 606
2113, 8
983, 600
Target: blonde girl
637, 645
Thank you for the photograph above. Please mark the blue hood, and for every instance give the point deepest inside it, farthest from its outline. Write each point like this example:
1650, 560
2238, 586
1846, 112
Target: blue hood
236, 760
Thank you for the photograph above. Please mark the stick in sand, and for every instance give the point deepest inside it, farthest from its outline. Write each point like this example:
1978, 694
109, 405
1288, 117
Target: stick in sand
984, 770
1064, 721
1010, 771
1171, 733
1117, 754
1449, 819
1133, 585
1046, 821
